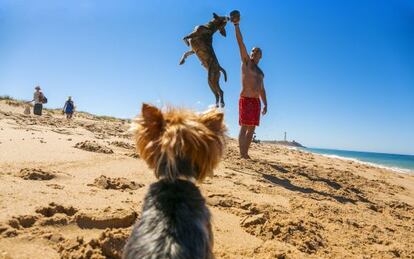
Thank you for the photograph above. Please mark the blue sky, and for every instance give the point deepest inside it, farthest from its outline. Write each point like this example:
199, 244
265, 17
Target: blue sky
339, 74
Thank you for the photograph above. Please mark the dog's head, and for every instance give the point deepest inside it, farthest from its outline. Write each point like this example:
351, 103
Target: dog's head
220, 23
180, 143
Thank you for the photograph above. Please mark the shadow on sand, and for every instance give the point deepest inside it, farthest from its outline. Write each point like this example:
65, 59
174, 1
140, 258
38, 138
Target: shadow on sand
288, 185
285, 183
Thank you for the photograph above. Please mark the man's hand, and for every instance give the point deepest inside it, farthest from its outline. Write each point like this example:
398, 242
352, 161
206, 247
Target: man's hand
264, 111
235, 17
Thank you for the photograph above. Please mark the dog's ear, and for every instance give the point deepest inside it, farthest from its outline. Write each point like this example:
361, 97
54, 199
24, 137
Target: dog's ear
215, 16
214, 121
152, 116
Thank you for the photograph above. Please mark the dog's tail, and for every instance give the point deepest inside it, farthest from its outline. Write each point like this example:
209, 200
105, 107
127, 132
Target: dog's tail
224, 74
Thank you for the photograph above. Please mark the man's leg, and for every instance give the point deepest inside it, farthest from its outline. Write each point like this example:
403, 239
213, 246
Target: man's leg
242, 141
249, 137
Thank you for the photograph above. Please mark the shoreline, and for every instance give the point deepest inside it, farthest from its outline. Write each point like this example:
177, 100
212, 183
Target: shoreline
356, 160
394, 169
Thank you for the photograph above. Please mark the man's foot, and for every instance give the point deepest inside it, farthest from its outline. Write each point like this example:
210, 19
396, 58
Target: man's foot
245, 157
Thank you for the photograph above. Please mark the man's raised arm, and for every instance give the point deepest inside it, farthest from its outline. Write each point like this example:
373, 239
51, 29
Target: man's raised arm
243, 52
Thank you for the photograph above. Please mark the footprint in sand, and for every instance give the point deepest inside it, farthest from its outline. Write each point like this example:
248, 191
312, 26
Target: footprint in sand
119, 183
109, 218
36, 174
305, 234
54, 208
224, 201
53, 214
122, 144
93, 146
109, 244
60, 219
25, 221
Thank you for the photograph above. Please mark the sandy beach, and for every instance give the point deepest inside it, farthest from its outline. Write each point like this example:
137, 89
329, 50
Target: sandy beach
73, 189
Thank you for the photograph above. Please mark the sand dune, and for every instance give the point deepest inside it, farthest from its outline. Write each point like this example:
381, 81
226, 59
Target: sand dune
73, 189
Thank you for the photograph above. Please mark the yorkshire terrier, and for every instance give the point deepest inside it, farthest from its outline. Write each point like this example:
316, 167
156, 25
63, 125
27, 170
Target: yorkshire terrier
183, 148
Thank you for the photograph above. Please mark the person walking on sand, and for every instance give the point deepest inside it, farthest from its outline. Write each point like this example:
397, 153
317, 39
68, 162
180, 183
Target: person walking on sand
252, 91
69, 108
39, 99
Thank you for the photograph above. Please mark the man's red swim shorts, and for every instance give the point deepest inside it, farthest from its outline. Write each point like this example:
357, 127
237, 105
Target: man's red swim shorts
249, 111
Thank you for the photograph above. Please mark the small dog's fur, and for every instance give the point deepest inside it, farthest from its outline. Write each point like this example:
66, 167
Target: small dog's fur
201, 43
182, 147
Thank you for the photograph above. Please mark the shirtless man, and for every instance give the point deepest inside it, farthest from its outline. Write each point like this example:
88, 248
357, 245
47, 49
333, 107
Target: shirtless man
252, 91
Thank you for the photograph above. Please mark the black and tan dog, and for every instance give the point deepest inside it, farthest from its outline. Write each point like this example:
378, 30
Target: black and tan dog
182, 148
201, 43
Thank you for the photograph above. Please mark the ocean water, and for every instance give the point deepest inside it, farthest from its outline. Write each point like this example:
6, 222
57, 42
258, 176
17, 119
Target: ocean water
402, 163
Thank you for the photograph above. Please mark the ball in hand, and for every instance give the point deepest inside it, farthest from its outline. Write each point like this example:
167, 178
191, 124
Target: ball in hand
235, 16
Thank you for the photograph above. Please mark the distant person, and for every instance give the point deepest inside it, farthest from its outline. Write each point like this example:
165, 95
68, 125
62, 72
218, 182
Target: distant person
39, 99
252, 91
69, 108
